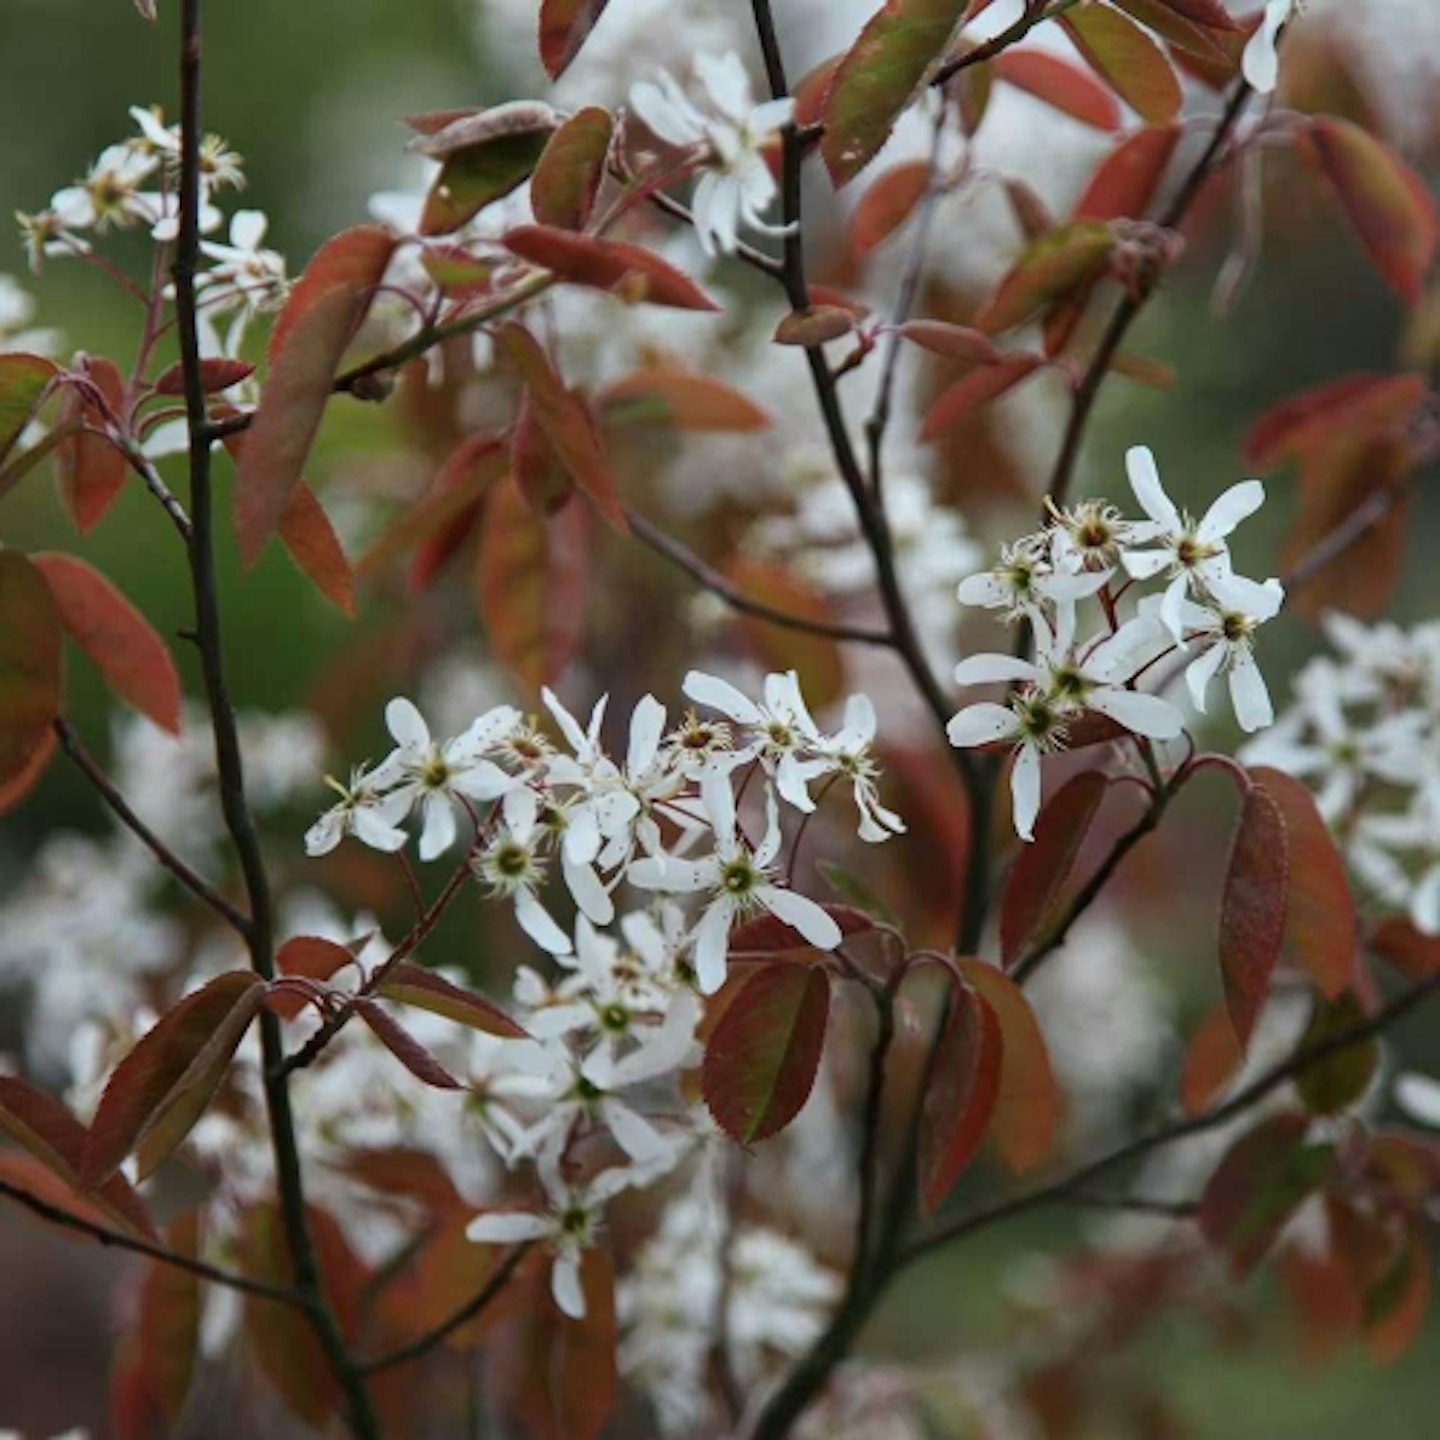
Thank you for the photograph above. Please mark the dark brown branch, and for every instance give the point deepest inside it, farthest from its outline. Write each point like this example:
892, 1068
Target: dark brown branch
196, 884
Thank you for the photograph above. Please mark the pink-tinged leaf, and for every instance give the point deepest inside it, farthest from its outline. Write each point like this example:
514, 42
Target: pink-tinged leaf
484, 155
40, 1124
1054, 268
24, 379
1355, 406
35, 1178
564, 417
1335, 1082
762, 1059
1126, 181
564, 27
543, 480
978, 388
1154, 374
1416, 956
30, 665
1041, 870
309, 957
629, 271
963, 1090
409, 984
162, 1087
887, 205
683, 399
817, 659
1210, 13
306, 532
1320, 922
320, 319
567, 179
414, 1174
954, 342
531, 586
1263, 1180
814, 326
1031, 213
1127, 60
1252, 909
1212, 1059
1396, 1306
879, 76
404, 1046
216, 374
168, 1333
1026, 1117
1390, 207
120, 641
768, 935
1200, 41
90, 469
1060, 84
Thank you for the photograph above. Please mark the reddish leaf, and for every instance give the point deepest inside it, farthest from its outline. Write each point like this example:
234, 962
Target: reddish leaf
761, 1062
168, 1334
531, 581
15, 789
1057, 266
630, 271
311, 957
1320, 926
1203, 12
1059, 83
879, 74
815, 658
815, 326
978, 388
1357, 405
1126, 180
325, 309
1212, 1057
1252, 909
1127, 59
543, 480
306, 532
1263, 1180
564, 27
30, 666
483, 155
955, 342
682, 399
566, 421
1336, 1081
1191, 36
414, 985
216, 374
1396, 1307
887, 204
1414, 955
90, 469
567, 179
161, 1088
767, 934
452, 1271
413, 1174
35, 1178
1041, 869
1388, 204
1027, 1109
24, 379
963, 1090
135, 661
404, 1046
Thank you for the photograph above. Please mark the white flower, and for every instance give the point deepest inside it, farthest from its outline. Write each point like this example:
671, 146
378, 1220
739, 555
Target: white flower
738, 881
1419, 1097
512, 866
736, 185
850, 753
110, 192
244, 270
1260, 63
1025, 581
365, 812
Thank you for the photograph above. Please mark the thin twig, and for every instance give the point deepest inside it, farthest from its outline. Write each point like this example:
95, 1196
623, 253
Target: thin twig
142, 465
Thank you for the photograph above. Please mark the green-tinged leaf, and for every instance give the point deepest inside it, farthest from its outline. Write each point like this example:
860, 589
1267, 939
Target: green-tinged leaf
887, 205
1059, 84
1054, 268
410, 984
306, 532
483, 155
964, 1087
404, 1046
30, 664
681, 398
1335, 1082
531, 585
1127, 60
1263, 1180
120, 641
90, 469
761, 1062
878, 77
1252, 908
1390, 207
564, 417
168, 1333
1355, 406
1026, 1117
851, 888
1320, 923
567, 179
1126, 180
630, 272
162, 1087
320, 318
564, 27
19, 785
1397, 1304
23, 382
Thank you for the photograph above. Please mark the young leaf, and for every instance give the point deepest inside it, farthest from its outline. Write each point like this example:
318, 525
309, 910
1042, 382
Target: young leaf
1026, 1117
530, 581
325, 309
1252, 909
564, 28
1212, 1057
19, 785
90, 469
135, 661
567, 179
978, 388
24, 379
161, 1088
566, 421
483, 156
962, 1094
306, 532
878, 76
1337, 1081
761, 1062
414, 985
768, 934
628, 271
1060, 84
955, 342
310, 957
816, 325
887, 205
168, 1333
1126, 180
1127, 60
1058, 265
216, 374
680, 398
1366, 404
404, 1046
30, 665
1178, 22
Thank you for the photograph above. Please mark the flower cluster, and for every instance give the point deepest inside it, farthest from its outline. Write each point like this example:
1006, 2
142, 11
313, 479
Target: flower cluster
1206, 615
1363, 731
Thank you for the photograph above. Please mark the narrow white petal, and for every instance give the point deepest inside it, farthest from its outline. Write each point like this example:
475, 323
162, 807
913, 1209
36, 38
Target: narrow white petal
712, 941
1229, 509
1025, 791
407, 724
1145, 482
1144, 714
536, 922
981, 724
1199, 675
721, 695
504, 1227
986, 669
797, 910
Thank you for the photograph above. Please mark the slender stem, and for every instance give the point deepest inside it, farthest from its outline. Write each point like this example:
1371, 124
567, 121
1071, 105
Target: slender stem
238, 819
196, 884
142, 465
870, 1125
